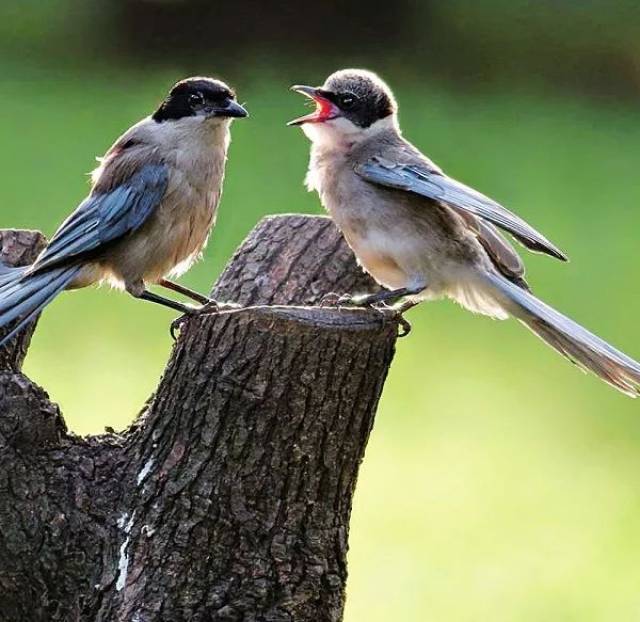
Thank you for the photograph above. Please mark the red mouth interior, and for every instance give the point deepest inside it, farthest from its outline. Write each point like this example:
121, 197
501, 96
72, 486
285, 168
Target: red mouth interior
324, 110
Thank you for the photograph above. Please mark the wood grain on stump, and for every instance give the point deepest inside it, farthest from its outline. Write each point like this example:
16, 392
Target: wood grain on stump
229, 497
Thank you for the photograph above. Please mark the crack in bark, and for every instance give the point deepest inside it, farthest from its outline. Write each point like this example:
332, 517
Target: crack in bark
229, 496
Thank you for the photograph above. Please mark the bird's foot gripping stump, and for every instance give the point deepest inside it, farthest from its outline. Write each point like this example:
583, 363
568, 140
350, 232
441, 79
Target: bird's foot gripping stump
229, 496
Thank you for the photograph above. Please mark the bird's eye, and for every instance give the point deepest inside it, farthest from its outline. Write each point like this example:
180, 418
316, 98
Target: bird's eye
196, 99
347, 101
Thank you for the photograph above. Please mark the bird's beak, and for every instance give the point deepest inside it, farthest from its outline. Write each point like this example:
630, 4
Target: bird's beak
325, 108
232, 110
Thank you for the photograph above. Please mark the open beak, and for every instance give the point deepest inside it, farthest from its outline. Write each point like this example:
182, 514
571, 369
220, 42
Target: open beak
325, 109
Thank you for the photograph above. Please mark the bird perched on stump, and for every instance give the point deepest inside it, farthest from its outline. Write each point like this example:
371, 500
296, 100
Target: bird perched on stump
422, 234
152, 205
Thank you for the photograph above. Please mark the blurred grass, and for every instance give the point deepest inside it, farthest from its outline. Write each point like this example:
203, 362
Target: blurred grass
499, 483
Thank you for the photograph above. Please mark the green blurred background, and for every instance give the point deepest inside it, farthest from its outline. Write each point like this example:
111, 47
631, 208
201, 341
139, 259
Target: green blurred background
500, 483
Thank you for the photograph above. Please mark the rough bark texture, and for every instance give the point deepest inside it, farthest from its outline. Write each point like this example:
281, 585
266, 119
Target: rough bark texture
229, 497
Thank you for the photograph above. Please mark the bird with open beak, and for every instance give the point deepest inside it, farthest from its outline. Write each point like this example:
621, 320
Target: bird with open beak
423, 235
152, 205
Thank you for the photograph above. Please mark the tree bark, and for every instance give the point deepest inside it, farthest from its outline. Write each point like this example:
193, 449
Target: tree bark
229, 497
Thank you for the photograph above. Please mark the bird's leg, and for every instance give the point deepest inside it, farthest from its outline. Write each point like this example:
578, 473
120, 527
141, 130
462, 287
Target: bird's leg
401, 309
332, 299
185, 291
138, 290
387, 296
406, 305
208, 304
210, 307
395, 314
379, 302
166, 302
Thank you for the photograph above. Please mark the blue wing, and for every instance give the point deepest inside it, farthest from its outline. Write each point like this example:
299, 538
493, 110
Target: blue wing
434, 185
104, 217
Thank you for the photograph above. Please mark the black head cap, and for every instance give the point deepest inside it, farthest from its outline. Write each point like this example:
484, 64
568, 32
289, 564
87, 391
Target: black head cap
361, 95
199, 97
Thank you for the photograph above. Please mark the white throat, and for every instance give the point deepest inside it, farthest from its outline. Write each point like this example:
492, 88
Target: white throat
335, 139
340, 134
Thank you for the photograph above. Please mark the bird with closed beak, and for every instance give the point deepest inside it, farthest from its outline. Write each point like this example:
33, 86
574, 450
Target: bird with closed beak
148, 216
423, 235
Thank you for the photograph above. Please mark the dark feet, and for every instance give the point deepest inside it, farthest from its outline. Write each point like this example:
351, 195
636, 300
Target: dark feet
176, 326
393, 314
374, 301
405, 326
211, 307
387, 296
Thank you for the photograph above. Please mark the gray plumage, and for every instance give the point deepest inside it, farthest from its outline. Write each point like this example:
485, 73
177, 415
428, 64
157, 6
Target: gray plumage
152, 205
418, 231
423, 178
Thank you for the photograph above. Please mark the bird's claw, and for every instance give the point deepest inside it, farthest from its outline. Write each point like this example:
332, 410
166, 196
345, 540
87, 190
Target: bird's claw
388, 312
176, 326
213, 306
332, 299
405, 326
393, 314
209, 308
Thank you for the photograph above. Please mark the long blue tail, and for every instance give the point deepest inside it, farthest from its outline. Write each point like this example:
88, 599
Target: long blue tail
570, 339
23, 295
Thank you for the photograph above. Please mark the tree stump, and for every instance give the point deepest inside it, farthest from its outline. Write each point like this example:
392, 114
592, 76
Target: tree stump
229, 497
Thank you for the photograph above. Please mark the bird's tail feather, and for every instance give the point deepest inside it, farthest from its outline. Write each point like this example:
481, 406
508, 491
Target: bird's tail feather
9, 274
567, 337
23, 294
